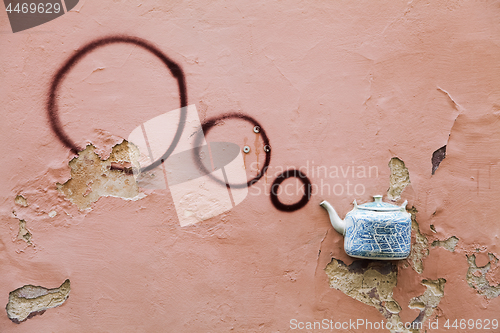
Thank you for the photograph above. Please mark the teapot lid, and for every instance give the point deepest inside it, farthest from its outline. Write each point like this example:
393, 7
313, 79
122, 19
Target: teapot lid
378, 204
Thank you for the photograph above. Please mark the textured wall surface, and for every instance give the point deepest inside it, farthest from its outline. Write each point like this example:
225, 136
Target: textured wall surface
400, 98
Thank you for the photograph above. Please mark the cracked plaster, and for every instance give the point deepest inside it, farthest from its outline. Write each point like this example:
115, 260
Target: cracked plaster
477, 276
372, 282
450, 244
24, 233
400, 178
29, 301
93, 178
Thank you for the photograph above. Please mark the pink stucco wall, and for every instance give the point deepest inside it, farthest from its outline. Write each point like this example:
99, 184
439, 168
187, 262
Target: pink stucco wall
333, 83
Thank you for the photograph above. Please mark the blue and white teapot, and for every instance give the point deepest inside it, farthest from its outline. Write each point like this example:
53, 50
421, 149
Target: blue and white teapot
374, 230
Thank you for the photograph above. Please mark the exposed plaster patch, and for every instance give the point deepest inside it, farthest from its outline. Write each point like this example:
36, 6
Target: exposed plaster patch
28, 301
368, 281
372, 282
419, 249
92, 177
392, 307
429, 301
437, 157
477, 279
400, 178
21, 201
24, 233
448, 244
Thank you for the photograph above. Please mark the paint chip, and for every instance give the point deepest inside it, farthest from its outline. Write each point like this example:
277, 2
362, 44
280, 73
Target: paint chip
393, 307
435, 286
28, 301
400, 178
437, 157
448, 244
21, 201
24, 234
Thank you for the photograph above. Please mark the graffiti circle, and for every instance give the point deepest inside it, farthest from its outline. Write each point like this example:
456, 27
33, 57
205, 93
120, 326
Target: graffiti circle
276, 185
174, 68
208, 125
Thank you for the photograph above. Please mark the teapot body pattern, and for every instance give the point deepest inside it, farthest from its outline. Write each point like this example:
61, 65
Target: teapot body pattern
375, 230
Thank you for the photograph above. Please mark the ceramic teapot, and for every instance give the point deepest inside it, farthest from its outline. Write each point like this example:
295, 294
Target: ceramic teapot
374, 230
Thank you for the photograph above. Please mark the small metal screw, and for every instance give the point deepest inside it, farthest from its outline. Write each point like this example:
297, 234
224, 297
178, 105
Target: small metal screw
256, 129
246, 149
267, 148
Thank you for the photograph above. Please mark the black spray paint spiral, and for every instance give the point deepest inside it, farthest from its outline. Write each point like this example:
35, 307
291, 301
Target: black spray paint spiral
174, 68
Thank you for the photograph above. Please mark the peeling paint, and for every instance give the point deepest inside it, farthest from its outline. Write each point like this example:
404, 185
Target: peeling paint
450, 244
400, 178
437, 157
477, 276
21, 201
92, 177
454, 103
428, 302
28, 301
419, 248
372, 282
368, 281
24, 234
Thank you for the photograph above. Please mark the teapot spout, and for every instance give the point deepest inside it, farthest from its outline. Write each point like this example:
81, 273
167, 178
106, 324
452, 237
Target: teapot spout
337, 223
